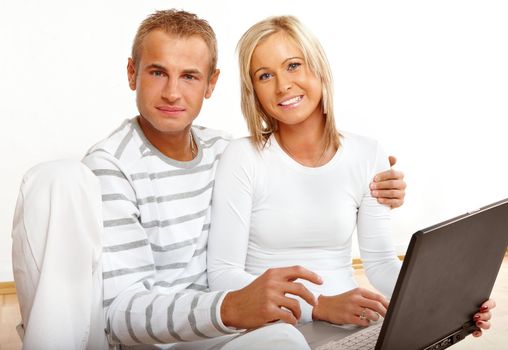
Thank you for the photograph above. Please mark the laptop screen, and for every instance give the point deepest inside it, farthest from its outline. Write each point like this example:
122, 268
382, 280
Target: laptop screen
448, 272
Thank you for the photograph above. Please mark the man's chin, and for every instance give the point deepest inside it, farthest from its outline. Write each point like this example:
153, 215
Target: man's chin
166, 125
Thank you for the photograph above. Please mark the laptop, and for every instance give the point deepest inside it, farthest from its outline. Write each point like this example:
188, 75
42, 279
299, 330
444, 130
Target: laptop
449, 270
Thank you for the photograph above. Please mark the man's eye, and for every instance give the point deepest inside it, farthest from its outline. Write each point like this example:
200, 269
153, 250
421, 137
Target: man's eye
189, 77
264, 76
294, 65
157, 73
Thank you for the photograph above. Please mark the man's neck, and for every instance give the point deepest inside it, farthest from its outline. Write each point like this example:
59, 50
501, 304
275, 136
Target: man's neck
179, 145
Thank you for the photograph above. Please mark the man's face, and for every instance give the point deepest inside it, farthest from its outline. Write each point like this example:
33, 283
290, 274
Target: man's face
171, 80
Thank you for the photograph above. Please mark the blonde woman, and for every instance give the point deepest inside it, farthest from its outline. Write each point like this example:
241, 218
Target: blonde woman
294, 192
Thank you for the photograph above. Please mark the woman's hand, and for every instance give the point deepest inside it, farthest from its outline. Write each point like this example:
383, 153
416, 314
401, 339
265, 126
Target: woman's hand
483, 316
389, 187
358, 306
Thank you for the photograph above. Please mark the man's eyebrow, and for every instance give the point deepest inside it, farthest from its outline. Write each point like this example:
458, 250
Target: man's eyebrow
156, 66
194, 71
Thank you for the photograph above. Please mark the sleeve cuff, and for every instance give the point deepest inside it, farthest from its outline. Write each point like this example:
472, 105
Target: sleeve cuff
220, 324
306, 309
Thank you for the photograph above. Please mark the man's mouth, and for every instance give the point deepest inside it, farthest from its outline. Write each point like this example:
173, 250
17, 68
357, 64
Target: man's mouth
170, 109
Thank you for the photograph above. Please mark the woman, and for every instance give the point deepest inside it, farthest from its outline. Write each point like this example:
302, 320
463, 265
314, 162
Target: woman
295, 191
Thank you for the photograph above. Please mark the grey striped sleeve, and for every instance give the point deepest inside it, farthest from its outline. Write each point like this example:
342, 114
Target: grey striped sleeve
192, 318
171, 322
128, 319
214, 312
184, 316
149, 313
192, 278
198, 287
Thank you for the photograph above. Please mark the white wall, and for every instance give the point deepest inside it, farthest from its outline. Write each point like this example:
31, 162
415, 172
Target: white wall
427, 78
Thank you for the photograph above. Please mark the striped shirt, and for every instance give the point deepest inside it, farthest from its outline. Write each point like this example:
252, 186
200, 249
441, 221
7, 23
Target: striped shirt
156, 214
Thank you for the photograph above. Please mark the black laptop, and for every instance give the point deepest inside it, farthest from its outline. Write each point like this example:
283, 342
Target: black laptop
449, 270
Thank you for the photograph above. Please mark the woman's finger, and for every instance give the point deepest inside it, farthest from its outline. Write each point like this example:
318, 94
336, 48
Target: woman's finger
367, 294
488, 305
483, 324
477, 333
482, 316
361, 318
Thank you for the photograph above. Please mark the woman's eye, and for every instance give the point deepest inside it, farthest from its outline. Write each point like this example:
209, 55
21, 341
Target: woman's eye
294, 65
264, 76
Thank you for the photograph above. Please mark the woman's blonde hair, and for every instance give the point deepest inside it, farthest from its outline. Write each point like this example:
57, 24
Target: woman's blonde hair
260, 124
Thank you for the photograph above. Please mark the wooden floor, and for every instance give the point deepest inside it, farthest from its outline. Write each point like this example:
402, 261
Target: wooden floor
9, 318
494, 339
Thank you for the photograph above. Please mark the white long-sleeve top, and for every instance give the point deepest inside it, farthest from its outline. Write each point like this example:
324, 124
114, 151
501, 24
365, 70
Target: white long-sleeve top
270, 211
156, 214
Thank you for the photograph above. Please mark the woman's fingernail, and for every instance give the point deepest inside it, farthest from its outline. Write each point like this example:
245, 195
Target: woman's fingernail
484, 308
476, 317
479, 323
476, 333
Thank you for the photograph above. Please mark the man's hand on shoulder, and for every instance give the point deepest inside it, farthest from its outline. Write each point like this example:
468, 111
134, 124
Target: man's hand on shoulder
265, 300
389, 187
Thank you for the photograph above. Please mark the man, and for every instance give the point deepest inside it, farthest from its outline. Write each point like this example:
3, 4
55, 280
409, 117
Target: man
156, 176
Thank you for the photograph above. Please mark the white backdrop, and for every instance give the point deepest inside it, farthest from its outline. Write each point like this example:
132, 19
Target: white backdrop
428, 78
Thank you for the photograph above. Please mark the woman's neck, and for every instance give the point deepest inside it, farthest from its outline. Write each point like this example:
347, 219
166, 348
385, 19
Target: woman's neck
305, 142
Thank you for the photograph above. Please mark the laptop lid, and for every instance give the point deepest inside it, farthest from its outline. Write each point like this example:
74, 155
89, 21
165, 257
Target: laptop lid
448, 272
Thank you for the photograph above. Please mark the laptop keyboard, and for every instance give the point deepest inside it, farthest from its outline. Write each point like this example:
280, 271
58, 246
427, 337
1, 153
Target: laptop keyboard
361, 340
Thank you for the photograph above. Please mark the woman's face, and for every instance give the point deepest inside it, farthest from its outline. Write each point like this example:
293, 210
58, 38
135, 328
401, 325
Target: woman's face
284, 84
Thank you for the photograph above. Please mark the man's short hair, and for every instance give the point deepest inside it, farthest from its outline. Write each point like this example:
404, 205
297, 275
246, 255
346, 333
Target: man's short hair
181, 24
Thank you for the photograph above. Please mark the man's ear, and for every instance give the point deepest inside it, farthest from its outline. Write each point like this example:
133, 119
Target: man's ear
211, 83
131, 74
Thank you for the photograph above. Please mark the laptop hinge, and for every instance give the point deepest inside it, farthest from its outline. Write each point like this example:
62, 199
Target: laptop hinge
466, 329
